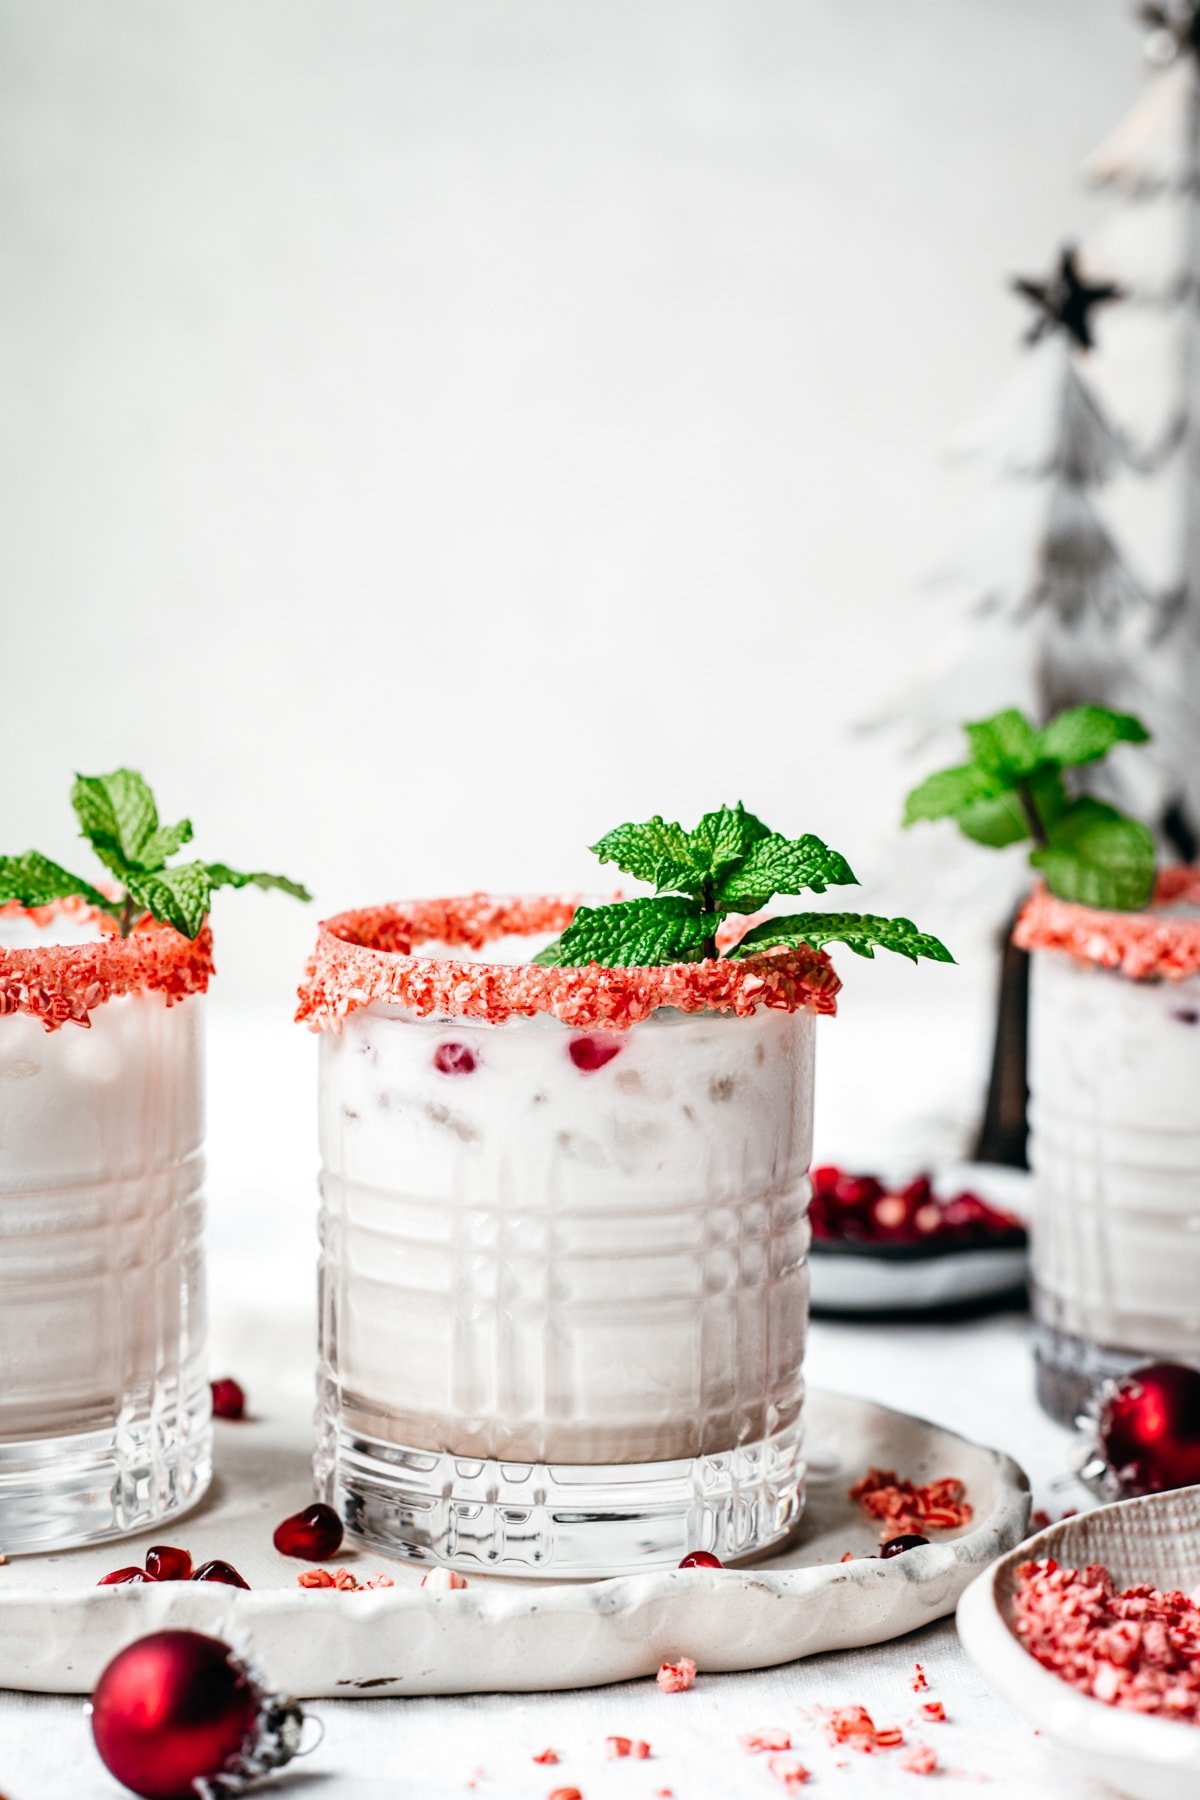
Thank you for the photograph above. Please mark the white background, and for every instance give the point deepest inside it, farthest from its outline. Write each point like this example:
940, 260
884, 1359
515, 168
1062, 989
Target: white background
435, 430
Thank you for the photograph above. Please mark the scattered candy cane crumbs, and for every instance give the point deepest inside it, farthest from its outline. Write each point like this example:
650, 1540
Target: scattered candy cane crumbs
570, 1793
546, 1756
904, 1507
1137, 1648
774, 1739
676, 1678
934, 1711
341, 1578
920, 1760
623, 1746
849, 1556
790, 1773
854, 1727
919, 1681
443, 1581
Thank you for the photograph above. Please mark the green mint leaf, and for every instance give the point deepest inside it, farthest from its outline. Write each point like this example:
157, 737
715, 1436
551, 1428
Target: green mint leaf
33, 880
221, 875
860, 932
949, 792
633, 934
1083, 734
779, 865
1007, 818
1005, 745
724, 837
657, 852
177, 897
163, 843
1098, 857
117, 813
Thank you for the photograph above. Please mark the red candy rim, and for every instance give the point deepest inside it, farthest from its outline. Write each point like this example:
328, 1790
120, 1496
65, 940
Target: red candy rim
64, 983
1139, 944
368, 955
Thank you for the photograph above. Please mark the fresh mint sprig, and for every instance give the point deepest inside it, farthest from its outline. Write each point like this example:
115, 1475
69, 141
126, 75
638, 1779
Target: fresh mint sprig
730, 863
1012, 791
119, 818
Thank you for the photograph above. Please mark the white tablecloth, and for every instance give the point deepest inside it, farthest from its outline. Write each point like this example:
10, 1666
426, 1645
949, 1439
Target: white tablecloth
973, 1375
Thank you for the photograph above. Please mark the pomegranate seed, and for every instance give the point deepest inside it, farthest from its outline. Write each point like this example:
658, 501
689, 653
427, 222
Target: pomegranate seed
825, 1178
908, 1540
591, 1053
313, 1534
219, 1570
228, 1399
166, 1563
123, 1575
454, 1059
858, 1190
701, 1559
891, 1213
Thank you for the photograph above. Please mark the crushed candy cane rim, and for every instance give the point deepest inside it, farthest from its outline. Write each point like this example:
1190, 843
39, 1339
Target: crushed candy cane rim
63, 984
1142, 945
370, 955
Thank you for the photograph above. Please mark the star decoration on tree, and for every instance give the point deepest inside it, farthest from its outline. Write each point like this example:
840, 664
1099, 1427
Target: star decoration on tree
1174, 28
1064, 302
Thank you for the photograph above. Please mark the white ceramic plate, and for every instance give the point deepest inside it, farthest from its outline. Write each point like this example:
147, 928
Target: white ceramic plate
58, 1630
1156, 1539
871, 1278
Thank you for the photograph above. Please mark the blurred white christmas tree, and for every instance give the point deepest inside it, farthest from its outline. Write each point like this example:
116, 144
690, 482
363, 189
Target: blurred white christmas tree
1152, 244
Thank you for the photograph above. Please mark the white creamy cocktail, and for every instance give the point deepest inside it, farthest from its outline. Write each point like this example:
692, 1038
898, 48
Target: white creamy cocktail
1115, 1136
104, 1403
563, 1283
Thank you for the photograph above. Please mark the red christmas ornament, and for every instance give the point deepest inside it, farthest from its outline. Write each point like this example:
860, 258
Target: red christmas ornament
177, 1709
1148, 1430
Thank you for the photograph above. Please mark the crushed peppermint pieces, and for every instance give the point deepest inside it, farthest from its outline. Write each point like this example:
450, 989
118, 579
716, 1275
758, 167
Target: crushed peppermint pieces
343, 1579
63, 984
903, 1507
920, 1760
1143, 945
567, 1793
920, 1680
1136, 1648
854, 1727
789, 1772
374, 954
676, 1677
443, 1581
546, 1756
934, 1711
623, 1746
775, 1739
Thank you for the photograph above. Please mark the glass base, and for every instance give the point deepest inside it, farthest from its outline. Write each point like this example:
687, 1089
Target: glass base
1070, 1371
59, 1493
560, 1521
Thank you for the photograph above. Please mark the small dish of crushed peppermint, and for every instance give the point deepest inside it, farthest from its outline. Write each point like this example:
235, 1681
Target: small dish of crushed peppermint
1092, 1630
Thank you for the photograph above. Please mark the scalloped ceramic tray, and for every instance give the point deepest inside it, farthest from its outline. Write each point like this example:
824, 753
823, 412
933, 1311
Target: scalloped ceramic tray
1155, 1539
57, 1629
